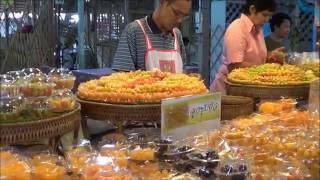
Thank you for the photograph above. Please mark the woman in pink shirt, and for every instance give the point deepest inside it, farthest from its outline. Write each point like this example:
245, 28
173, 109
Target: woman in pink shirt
244, 44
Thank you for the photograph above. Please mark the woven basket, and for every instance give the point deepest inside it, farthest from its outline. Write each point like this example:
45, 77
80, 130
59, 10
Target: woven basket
234, 106
23, 132
118, 112
267, 92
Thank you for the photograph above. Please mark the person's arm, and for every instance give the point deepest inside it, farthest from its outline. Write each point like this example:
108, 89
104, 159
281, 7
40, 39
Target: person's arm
125, 58
276, 56
235, 45
239, 65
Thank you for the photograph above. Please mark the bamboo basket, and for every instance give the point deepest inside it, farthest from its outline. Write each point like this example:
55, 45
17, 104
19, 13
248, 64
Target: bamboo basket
267, 92
23, 132
120, 113
234, 106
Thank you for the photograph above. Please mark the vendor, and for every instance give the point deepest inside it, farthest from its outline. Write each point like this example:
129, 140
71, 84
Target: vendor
244, 43
280, 24
154, 41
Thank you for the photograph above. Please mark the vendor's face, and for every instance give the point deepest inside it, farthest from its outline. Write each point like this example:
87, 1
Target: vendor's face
284, 29
172, 14
261, 17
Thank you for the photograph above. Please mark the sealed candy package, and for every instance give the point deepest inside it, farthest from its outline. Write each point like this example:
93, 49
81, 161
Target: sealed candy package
78, 156
14, 166
103, 167
47, 166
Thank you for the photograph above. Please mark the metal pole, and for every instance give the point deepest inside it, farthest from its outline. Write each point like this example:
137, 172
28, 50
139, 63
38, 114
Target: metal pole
6, 14
205, 55
81, 32
126, 12
156, 4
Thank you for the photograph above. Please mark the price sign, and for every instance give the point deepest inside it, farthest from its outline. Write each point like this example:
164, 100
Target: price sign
188, 116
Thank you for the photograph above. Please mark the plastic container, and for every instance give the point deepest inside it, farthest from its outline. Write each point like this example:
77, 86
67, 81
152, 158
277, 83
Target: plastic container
28, 71
10, 109
18, 77
37, 108
7, 86
63, 78
37, 85
61, 101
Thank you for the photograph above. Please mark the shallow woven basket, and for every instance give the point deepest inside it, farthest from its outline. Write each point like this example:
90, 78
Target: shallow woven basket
119, 112
234, 106
267, 92
22, 132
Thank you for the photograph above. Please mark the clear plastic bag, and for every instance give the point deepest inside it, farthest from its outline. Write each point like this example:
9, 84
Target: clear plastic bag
13, 165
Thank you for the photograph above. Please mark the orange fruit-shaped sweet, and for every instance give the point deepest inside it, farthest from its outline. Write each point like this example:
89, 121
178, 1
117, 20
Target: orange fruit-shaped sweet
270, 108
15, 170
6, 156
43, 158
48, 171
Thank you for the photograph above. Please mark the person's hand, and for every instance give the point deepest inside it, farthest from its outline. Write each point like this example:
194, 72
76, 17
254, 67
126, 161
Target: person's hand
277, 56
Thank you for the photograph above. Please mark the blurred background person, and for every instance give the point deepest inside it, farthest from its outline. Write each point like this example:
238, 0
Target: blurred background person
280, 25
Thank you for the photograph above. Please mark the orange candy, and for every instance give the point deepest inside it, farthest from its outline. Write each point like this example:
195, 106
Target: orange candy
78, 158
48, 171
146, 154
12, 168
103, 172
270, 108
119, 157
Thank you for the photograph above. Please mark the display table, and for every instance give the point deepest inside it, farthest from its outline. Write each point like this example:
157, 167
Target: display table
52, 128
119, 114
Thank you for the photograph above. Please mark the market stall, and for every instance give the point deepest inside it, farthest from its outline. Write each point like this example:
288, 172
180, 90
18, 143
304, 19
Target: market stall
279, 141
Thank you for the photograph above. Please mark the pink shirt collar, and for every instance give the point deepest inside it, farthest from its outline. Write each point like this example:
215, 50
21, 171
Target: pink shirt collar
249, 24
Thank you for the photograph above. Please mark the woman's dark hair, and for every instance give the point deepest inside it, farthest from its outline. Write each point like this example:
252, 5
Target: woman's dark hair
277, 19
261, 5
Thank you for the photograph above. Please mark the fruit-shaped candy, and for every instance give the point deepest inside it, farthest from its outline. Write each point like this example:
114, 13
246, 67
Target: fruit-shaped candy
102, 168
142, 154
61, 101
118, 155
140, 87
45, 167
270, 108
78, 158
13, 167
